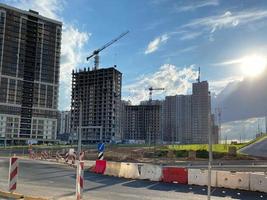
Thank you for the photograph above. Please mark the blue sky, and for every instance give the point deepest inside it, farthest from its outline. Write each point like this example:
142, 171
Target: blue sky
168, 40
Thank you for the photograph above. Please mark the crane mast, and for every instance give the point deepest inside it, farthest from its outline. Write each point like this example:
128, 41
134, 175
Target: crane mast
96, 52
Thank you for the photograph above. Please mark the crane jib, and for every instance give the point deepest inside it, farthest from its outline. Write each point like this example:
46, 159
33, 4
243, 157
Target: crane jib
96, 52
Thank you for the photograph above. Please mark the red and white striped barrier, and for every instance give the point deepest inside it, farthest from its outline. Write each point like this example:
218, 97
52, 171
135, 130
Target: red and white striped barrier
82, 155
79, 180
13, 174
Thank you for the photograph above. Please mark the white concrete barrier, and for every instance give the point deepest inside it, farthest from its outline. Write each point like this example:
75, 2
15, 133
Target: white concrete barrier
89, 163
233, 180
258, 182
113, 168
129, 170
200, 177
151, 172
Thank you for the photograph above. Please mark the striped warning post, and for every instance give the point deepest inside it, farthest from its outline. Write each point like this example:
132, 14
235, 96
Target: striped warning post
79, 180
82, 154
101, 156
13, 174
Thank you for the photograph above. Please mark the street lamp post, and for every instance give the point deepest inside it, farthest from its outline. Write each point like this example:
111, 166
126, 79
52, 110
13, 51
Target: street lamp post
210, 160
80, 131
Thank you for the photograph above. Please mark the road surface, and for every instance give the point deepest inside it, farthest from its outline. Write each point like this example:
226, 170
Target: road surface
256, 149
51, 180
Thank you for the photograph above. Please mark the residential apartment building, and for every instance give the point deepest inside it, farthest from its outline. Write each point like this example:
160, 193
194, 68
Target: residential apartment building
29, 75
64, 119
186, 119
177, 119
122, 117
201, 115
99, 92
143, 122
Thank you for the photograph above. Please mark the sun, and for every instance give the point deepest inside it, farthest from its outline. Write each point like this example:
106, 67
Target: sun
253, 66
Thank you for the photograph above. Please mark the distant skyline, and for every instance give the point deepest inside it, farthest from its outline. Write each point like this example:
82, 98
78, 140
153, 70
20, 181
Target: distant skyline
168, 41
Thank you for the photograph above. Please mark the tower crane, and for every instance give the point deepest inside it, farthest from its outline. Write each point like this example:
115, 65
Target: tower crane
96, 52
151, 90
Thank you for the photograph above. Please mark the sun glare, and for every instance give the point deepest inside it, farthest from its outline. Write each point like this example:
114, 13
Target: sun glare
253, 66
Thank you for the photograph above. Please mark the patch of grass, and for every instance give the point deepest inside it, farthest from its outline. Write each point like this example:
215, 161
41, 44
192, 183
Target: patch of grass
220, 148
258, 139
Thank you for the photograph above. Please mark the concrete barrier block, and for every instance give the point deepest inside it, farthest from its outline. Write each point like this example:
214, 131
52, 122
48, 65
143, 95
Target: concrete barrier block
258, 182
113, 168
129, 170
89, 163
233, 180
200, 177
151, 172
175, 175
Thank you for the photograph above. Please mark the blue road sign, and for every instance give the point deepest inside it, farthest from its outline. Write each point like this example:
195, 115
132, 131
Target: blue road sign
101, 147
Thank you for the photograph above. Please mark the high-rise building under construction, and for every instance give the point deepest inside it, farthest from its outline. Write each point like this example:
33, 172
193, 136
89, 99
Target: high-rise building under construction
99, 92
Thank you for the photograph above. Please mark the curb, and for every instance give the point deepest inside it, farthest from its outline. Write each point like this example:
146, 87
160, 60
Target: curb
19, 196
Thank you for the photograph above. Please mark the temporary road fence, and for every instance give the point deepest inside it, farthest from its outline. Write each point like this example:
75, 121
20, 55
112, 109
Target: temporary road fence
113, 168
151, 172
175, 175
100, 166
233, 180
258, 182
130, 170
200, 177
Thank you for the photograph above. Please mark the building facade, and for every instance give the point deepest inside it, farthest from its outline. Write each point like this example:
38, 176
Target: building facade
201, 112
187, 118
177, 119
143, 122
64, 119
29, 75
99, 92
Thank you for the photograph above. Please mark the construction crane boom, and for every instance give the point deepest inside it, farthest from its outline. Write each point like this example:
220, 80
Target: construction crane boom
151, 90
96, 52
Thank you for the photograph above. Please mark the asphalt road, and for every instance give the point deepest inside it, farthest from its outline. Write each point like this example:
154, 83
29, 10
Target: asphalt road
256, 149
44, 179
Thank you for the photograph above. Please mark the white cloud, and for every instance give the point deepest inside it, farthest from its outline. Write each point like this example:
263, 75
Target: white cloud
47, 8
243, 129
175, 81
180, 51
216, 86
197, 4
190, 35
72, 44
72, 54
227, 20
154, 45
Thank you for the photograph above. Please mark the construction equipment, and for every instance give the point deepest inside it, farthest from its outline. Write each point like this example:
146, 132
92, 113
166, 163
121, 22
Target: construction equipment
96, 52
150, 92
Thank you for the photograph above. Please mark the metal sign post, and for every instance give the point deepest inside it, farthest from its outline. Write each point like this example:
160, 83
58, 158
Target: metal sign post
209, 165
101, 148
80, 131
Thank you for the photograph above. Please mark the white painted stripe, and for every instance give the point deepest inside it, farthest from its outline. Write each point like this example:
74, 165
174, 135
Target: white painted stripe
101, 146
13, 167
